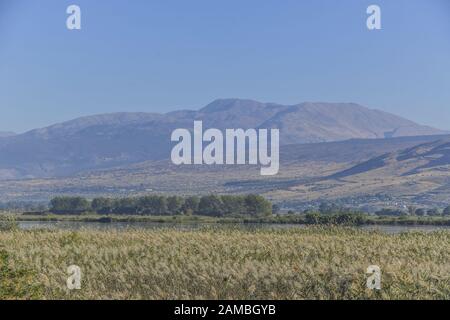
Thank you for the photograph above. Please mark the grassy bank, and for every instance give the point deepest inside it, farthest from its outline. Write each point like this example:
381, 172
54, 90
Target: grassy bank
311, 263
345, 219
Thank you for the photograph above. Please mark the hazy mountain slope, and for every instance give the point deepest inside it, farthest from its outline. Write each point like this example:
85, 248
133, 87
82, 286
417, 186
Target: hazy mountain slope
306, 174
235, 113
417, 175
427, 155
6, 134
90, 142
319, 122
353, 150
109, 140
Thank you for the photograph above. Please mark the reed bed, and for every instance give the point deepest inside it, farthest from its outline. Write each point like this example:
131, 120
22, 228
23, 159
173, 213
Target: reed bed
218, 263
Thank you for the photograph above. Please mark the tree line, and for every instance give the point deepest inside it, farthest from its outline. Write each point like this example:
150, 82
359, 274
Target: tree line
210, 205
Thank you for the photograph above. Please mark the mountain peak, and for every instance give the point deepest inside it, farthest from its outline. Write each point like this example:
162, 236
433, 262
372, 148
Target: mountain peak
221, 105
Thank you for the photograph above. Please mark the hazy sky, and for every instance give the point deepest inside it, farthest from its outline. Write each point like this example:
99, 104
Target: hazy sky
161, 55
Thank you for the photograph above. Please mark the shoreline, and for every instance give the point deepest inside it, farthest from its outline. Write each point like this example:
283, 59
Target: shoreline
300, 219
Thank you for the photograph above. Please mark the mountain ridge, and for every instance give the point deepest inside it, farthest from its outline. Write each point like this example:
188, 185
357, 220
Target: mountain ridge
106, 140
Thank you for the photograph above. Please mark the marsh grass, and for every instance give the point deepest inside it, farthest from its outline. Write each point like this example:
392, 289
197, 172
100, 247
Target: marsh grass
8, 223
217, 263
17, 281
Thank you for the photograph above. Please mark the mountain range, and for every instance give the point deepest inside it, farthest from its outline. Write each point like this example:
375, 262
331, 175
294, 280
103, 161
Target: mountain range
121, 139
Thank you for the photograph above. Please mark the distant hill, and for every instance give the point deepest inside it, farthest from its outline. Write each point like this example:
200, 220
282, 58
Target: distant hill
109, 140
409, 161
372, 173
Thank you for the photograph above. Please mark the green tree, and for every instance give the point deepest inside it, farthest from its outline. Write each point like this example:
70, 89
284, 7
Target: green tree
257, 205
412, 210
233, 204
210, 206
152, 205
349, 219
174, 205
102, 205
312, 218
421, 212
69, 205
125, 206
190, 205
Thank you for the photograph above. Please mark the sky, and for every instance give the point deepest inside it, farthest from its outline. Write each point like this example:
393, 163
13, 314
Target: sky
163, 55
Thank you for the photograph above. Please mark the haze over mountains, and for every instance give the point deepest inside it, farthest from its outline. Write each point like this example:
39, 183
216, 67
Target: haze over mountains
6, 134
362, 173
109, 140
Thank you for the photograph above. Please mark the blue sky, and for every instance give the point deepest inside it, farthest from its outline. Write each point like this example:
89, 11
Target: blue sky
161, 55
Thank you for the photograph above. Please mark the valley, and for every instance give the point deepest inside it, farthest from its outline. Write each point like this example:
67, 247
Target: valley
368, 174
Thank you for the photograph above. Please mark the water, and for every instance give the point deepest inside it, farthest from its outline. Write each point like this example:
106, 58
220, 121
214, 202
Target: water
70, 225
394, 229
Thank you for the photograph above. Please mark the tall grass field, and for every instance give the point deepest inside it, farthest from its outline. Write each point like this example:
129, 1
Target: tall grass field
309, 263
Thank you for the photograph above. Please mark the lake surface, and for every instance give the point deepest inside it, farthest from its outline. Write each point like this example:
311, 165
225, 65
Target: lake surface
70, 225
